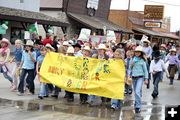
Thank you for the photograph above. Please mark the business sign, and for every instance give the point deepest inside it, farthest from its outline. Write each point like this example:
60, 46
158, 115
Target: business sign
154, 12
152, 24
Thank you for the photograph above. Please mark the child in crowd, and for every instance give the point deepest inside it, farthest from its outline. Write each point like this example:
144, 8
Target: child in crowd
173, 62
116, 104
128, 86
4, 59
17, 57
157, 66
139, 75
43, 88
27, 64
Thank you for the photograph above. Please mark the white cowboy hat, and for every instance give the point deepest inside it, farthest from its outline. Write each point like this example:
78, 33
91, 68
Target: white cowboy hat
5, 41
146, 40
49, 46
163, 45
139, 49
70, 42
173, 50
87, 48
29, 43
70, 50
65, 43
102, 47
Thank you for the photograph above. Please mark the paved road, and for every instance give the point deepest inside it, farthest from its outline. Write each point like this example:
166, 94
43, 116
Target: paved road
29, 107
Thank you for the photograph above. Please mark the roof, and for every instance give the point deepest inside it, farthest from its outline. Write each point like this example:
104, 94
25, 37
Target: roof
171, 35
97, 23
148, 32
155, 33
51, 3
136, 21
31, 17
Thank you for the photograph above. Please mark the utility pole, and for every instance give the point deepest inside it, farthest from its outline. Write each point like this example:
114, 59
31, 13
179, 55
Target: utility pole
129, 5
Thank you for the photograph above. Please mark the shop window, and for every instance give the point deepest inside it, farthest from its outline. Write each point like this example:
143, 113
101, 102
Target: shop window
16, 33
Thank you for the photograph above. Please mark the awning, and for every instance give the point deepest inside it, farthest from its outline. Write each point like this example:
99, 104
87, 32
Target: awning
31, 17
148, 32
157, 34
97, 23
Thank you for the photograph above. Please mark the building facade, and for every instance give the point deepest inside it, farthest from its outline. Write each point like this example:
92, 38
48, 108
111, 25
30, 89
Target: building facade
134, 20
29, 5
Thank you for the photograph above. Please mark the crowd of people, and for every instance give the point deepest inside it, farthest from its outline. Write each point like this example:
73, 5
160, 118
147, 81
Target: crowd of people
141, 62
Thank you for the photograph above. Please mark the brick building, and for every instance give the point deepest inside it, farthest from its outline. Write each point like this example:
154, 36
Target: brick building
134, 20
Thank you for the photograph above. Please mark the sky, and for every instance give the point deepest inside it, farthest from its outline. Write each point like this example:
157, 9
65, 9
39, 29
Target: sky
171, 8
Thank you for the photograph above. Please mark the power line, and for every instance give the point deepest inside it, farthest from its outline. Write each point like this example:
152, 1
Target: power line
177, 5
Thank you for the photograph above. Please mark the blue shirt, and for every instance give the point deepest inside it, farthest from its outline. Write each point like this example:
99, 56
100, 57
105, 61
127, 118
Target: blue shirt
40, 60
37, 53
27, 61
18, 54
139, 68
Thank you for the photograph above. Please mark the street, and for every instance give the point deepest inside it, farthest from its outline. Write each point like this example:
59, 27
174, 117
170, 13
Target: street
29, 107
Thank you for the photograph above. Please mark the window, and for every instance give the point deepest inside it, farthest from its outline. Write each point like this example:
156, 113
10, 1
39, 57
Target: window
21, 1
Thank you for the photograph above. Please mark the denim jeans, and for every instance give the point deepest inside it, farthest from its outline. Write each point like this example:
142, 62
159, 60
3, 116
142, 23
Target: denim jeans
116, 103
137, 85
6, 76
156, 79
29, 80
43, 90
91, 98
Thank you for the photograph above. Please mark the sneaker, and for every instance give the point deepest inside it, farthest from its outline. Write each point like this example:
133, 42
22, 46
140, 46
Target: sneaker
113, 107
154, 96
46, 96
137, 110
20, 94
13, 89
40, 97
70, 99
54, 96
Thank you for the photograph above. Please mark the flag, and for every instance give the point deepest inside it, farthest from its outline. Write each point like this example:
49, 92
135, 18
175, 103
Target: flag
33, 28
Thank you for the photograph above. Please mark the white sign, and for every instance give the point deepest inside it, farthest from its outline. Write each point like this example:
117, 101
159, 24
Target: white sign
110, 36
93, 4
144, 37
84, 34
152, 24
26, 35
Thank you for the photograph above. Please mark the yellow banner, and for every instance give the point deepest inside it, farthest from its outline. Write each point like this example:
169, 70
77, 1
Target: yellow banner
85, 75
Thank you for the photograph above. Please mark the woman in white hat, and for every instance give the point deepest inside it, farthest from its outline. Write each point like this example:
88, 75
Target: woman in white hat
4, 58
28, 67
139, 75
86, 54
173, 62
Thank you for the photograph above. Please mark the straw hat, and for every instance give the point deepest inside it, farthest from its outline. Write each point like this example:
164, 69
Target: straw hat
65, 43
102, 47
49, 46
29, 43
163, 45
87, 48
146, 40
4, 40
70, 50
139, 49
173, 50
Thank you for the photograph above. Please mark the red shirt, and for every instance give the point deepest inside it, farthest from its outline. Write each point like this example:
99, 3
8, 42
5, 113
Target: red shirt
47, 40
